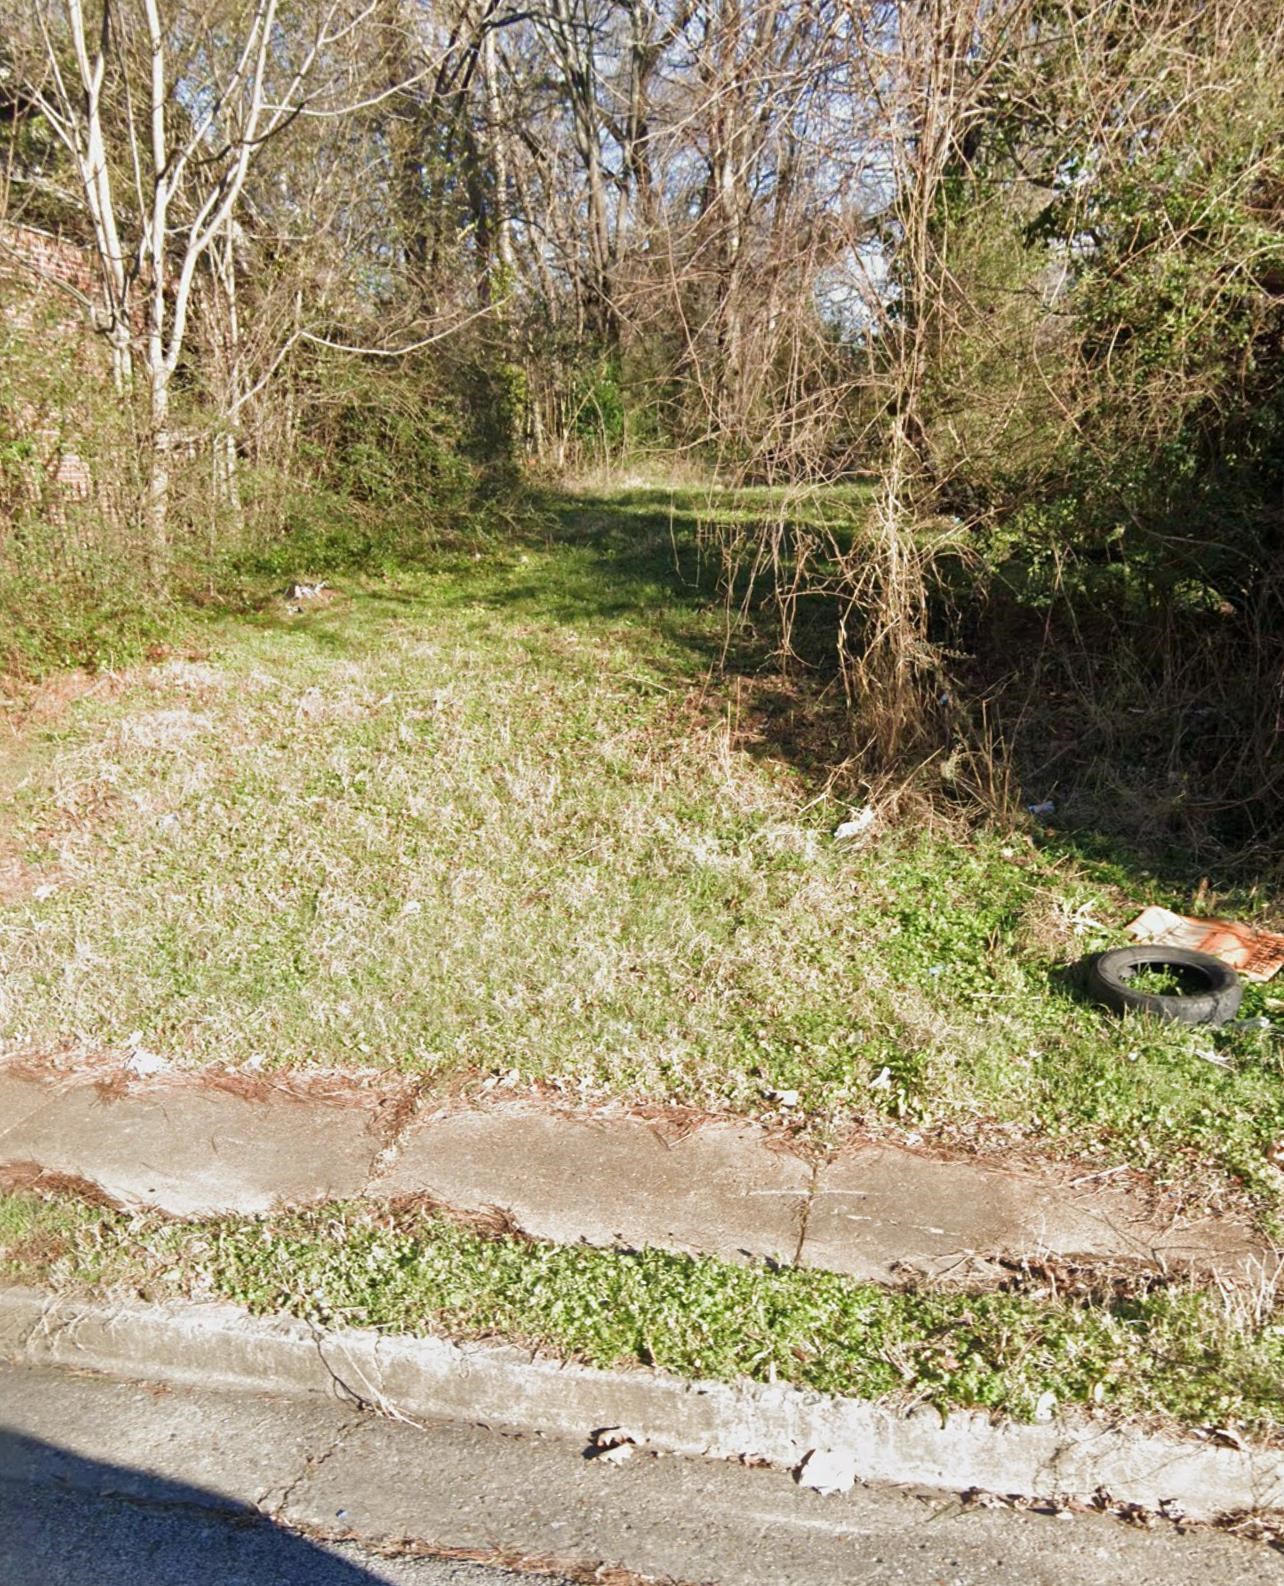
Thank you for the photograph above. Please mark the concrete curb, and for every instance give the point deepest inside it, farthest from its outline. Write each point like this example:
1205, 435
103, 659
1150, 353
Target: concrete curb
221, 1346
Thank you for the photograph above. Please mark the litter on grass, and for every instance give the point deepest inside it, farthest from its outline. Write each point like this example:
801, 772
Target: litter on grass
861, 821
1257, 955
142, 1063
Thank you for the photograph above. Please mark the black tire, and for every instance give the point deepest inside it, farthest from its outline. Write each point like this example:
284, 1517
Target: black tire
1216, 1000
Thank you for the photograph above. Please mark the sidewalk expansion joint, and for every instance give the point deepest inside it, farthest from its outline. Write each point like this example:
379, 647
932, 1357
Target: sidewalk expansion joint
599, 1175
388, 1127
805, 1216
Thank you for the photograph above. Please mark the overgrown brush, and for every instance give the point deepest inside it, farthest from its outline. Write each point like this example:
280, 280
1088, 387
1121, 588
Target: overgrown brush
1067, 583
371, 473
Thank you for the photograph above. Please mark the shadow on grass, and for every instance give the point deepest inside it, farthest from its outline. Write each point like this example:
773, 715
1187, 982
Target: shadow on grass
643, 551
635, 560
1165, 872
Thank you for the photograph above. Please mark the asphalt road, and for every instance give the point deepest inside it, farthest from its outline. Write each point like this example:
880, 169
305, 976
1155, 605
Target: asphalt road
52, 1537
108, 1483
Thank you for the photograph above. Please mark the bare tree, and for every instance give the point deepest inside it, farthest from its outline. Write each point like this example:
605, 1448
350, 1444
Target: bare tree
164, 107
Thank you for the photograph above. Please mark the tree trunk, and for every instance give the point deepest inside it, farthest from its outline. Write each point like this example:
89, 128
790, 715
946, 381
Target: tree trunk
158, 483
497, 136
226, 477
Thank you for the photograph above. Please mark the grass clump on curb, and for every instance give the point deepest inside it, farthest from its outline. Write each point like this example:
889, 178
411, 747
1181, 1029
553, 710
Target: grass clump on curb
1170, 1353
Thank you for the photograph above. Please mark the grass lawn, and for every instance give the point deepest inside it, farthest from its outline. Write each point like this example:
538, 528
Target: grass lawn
1170, 1354
504, 814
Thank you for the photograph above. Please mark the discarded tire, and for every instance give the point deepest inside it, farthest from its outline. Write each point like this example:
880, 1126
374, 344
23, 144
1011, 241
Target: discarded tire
1212, 998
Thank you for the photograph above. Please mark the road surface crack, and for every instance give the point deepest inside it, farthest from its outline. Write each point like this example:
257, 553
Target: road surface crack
312, 1463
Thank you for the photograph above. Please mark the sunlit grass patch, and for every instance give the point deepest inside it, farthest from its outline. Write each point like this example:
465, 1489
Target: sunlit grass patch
1170, 1353
503, 814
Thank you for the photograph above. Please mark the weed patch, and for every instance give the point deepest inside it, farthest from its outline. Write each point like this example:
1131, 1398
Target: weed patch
1167, 1353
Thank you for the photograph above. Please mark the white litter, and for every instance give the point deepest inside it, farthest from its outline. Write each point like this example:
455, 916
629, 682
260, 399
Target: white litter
861, 821
1046, 1408
828, 1471
611, 1444
141, 1062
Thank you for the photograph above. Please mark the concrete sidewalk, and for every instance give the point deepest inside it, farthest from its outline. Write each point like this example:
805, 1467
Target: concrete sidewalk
198, 1144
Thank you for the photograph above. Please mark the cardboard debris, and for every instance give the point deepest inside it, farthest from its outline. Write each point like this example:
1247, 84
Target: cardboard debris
1257, 955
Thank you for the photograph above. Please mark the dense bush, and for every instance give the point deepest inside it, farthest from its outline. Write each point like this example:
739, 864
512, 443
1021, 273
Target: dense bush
1104, 410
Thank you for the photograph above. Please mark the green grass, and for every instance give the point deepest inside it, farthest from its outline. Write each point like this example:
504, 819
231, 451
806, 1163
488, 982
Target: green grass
1162, 981
1170, 1353
503, 813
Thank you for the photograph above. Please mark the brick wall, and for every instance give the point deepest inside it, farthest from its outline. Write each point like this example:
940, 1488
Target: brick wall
31, 301
28, 299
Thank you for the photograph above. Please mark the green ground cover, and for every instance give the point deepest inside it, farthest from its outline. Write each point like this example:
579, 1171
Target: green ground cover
506, 812
1171, 1354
